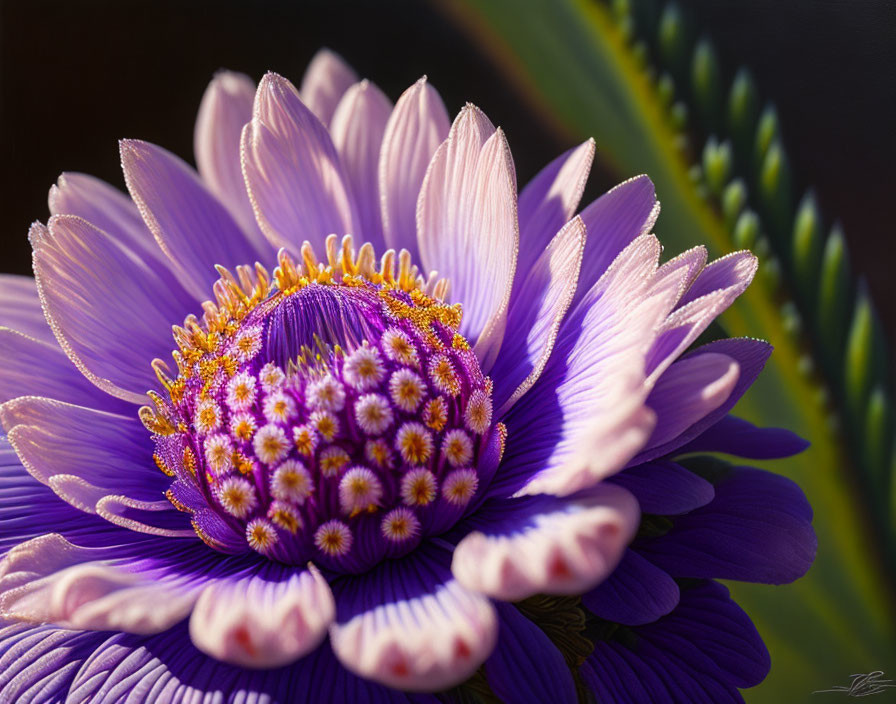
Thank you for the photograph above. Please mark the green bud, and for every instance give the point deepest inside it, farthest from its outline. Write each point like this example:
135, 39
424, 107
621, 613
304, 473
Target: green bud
707, 84
746, 230
807, 247
774, 190
734, 198
717, 164
743, 113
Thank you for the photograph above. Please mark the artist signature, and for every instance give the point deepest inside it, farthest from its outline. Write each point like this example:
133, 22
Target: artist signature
862, 685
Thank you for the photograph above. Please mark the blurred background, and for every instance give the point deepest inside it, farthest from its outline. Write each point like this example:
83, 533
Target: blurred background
661, 87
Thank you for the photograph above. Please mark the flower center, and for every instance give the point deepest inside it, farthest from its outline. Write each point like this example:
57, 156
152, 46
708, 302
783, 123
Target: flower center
331, 413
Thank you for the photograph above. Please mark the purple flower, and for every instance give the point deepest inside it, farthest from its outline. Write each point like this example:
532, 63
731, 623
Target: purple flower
372, 456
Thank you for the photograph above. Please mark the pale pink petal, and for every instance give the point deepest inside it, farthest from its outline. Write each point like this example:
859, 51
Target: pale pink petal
688, 391
48, 579
547, 545
292, 172
258, 621
537, 307
326, 79
357, 129
225, 109
106, 208
467, 226
410, 625
418, 125
550, 200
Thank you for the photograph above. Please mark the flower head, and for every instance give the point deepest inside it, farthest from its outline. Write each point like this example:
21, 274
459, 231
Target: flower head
349, 447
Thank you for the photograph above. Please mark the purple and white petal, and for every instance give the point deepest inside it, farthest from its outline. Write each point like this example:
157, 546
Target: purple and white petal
613, 221
417, 126
86, 455
467, 226
49, 579
192, 226
358, 126
326, 80
693, 315
750, 356
411, 625
586, 416
688, 391
537, 308
292, 171
545, 544
263, 620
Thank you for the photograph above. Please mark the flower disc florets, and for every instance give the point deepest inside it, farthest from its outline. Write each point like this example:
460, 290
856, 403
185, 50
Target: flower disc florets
335, 415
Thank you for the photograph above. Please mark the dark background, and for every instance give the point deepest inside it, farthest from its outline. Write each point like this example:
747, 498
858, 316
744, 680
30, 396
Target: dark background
76, 76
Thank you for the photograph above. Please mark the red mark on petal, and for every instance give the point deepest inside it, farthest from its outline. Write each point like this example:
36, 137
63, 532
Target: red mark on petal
242, 637
400, 669
560, 569
461, 649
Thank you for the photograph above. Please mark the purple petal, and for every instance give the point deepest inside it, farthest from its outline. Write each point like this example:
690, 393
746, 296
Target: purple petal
664, 488
357, 130
688, 391
537, 307
418, 125
264, 620
467, 228
750, 355
20, 308
39, 663
613, 221
526, 665
326, 80
545, 544
733, 270
735, 436
29, 509
35, 368
191, 226
756, 529
292, 172
550, 200
700, 653
636, 593
409, 624
111, 325
225, 109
